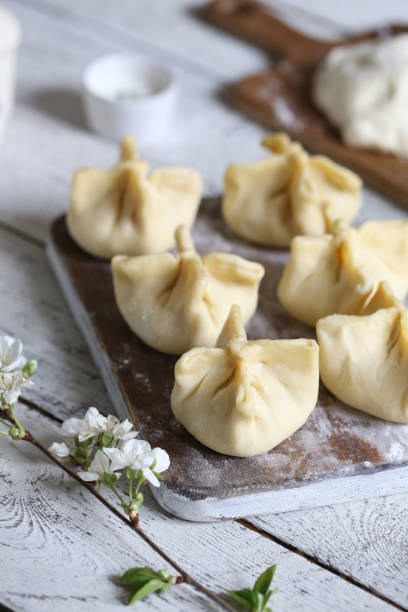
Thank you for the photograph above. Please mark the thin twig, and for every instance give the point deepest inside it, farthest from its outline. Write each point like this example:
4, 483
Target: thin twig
133, 524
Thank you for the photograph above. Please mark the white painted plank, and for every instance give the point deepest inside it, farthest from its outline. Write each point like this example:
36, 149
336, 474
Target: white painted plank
64, 548
33, 309
352, 16
152, 25
151, 22
368, 539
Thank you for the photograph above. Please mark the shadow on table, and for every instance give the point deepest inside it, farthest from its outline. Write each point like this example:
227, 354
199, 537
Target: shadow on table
63, 104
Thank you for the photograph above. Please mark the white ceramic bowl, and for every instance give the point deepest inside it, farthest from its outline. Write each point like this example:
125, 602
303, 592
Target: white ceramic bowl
128, 94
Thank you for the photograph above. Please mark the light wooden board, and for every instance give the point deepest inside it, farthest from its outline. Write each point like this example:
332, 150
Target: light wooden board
343, 452
45, 142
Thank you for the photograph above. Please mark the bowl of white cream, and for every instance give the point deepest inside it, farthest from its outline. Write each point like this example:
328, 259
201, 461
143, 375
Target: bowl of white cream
128, 94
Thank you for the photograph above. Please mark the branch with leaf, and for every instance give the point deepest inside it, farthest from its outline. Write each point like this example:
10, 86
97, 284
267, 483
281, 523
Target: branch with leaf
106, 451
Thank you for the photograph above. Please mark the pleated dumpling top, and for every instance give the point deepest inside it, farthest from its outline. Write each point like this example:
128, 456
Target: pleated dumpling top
287, 194
125, 211
243, 397
176, 302
351, 271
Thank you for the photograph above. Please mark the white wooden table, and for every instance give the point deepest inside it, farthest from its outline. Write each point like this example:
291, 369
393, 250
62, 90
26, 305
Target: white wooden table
60, 549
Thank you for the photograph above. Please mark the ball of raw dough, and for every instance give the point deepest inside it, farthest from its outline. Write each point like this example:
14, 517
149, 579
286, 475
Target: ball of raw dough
363, 90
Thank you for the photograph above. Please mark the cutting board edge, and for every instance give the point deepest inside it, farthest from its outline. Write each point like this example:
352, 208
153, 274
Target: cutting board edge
357, 487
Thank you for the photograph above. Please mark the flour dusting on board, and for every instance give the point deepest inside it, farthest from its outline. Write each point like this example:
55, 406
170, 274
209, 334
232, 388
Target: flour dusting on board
285, 115
335, 441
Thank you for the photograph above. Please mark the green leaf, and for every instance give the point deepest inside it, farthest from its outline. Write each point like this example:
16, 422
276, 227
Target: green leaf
130, 473
264, 581
108, 479
241, 600
143, 581
139, 582
105, 440
246, 598
85, 443
150, 587
134, 573
260, 602
79, 455
80, 452
165, 574
269, 595
255, 599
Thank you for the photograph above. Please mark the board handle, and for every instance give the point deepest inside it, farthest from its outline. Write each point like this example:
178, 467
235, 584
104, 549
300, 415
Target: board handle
257, 23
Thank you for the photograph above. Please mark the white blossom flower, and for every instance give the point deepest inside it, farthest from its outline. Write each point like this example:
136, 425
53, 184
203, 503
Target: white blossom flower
94, 424
119, 431
138, 455
128, 453
11, 384
101, 464
11, 357
60, 449
156, 461
89, 426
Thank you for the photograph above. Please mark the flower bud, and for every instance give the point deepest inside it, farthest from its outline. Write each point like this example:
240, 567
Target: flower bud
16, 433
29, 368
108, 478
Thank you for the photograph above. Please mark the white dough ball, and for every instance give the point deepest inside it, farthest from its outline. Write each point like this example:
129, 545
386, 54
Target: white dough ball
363, 90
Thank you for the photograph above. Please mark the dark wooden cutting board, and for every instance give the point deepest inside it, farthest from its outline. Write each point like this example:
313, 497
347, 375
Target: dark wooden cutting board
338, 455
280, 98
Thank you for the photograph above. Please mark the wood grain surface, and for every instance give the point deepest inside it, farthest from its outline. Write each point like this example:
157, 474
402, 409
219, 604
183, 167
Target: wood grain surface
45, 142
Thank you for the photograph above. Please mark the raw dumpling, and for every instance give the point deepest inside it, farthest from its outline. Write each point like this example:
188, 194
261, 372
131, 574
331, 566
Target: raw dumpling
364, 361
174, 303
343, 273
243, 398
123, 211
289, 193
